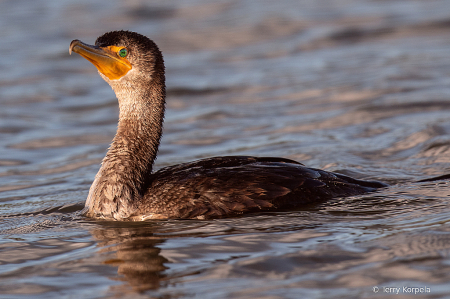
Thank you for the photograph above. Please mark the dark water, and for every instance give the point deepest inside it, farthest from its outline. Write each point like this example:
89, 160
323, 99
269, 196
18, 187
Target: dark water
359, 87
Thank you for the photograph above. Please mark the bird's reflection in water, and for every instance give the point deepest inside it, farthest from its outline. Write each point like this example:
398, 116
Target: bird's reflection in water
133, 249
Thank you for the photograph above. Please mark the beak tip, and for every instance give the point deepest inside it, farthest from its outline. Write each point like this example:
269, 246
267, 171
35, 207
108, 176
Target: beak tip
72, 45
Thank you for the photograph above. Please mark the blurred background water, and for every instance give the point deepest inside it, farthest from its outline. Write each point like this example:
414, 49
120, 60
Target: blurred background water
357, 87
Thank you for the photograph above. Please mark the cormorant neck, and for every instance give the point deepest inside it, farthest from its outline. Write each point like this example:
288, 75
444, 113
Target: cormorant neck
124, 175
140, 127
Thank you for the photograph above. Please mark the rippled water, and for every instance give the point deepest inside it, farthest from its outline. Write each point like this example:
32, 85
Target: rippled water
358, 87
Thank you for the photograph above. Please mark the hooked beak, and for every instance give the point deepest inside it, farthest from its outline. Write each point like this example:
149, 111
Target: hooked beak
105, 59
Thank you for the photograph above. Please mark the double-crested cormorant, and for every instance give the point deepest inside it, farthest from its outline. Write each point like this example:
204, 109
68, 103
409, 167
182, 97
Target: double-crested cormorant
125, 187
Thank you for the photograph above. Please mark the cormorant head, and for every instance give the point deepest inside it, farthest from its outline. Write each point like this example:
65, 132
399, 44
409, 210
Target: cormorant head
123, 57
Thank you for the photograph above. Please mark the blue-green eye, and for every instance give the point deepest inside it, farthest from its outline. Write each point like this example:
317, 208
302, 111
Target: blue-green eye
123, 52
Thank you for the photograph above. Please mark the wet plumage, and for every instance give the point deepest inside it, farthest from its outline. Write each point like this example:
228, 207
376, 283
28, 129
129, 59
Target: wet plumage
125, 187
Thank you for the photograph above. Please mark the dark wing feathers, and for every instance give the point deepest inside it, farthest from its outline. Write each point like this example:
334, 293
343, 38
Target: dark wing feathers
225, 186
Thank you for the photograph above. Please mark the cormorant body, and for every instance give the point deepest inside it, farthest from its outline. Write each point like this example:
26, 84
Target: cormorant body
125, 188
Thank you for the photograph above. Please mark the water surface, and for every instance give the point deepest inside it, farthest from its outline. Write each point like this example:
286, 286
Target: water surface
357, 87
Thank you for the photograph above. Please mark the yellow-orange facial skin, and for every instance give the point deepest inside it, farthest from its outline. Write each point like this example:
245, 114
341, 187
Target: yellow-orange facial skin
105, 59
